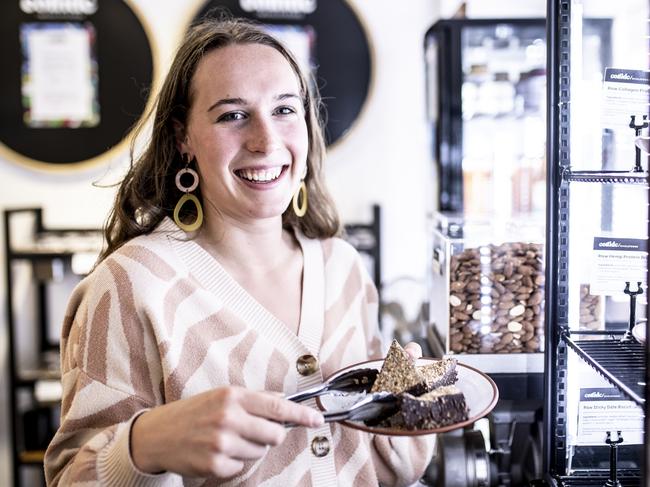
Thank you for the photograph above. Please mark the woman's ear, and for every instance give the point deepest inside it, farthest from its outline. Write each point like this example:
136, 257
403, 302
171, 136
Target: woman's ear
181, 137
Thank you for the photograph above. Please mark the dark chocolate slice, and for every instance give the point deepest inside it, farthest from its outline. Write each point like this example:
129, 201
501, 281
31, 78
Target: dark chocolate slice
441, 407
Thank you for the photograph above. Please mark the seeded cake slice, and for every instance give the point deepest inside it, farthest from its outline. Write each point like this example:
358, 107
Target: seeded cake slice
438, 374
398, 373
441, 407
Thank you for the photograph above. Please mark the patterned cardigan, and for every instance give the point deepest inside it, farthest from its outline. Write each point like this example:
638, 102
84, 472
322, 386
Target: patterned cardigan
160, 320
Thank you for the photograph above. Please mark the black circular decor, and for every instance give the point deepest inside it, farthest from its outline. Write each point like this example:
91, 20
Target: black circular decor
340, 51
124, 74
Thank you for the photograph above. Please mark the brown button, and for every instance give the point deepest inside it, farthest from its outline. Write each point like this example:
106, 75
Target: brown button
307, 364
320, 445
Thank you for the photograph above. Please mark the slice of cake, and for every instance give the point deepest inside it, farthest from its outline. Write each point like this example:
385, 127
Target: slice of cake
399, 374
438, 374
440, 407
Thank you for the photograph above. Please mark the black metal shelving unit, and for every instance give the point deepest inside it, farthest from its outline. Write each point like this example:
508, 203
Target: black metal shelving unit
621, 363
25, 410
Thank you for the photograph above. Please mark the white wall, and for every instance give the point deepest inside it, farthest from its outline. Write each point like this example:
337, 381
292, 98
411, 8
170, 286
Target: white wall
384, 159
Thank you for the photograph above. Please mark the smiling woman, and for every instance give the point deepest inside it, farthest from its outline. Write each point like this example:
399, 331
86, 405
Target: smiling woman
177, 344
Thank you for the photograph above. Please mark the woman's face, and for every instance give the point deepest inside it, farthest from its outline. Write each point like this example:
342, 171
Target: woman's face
246, 127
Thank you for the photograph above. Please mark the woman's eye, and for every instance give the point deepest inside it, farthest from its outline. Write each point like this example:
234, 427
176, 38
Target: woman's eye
285, 110
231, 117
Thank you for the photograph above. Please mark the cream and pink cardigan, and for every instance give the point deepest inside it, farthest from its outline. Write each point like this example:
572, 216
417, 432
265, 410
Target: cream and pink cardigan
160, 320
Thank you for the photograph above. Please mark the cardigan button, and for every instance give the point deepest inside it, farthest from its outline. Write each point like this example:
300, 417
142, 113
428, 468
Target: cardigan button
320, 446
307, 364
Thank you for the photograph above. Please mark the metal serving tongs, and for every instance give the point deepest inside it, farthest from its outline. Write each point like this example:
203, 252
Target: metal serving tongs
358, 380
373, 408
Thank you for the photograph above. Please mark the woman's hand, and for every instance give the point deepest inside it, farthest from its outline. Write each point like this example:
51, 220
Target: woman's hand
414, 350
214, 432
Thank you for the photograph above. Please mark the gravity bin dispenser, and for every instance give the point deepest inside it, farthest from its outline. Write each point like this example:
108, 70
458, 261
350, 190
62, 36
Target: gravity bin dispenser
486, 105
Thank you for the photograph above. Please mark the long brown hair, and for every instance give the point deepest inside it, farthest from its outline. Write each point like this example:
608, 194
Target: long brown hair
148, 192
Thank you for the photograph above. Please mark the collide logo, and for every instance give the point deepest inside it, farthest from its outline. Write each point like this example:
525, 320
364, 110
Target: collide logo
611, 243
617, 245
279, 6
65, 7
599, 395
621, 76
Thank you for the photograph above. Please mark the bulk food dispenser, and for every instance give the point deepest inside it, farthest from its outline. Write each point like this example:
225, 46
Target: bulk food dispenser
487, 292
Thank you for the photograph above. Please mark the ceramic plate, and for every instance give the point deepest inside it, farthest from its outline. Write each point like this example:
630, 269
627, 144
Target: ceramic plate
481, 395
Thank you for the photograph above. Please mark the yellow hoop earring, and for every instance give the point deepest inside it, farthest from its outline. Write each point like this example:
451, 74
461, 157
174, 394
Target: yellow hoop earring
191, 227
298, 209
199, 213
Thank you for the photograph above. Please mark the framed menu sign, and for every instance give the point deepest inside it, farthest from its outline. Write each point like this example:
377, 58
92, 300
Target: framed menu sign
76, 79
327, 38
59, 75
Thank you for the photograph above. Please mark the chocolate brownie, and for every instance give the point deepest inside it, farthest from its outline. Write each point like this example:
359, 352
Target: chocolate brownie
440, 407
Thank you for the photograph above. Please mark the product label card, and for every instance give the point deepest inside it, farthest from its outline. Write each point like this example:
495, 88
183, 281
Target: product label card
626, 92
617, 261
604, 409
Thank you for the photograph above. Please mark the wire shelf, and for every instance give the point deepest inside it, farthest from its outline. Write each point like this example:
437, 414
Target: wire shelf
622, 363
627, 478
598, 482
606, 177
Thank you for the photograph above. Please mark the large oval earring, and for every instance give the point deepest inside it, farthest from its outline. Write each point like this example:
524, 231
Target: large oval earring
188, 227
300, 207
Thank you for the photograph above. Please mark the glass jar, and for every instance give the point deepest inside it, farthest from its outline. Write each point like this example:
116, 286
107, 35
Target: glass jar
487, 285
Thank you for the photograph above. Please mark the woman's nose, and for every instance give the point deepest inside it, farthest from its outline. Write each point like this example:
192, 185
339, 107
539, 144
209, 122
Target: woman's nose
262, 136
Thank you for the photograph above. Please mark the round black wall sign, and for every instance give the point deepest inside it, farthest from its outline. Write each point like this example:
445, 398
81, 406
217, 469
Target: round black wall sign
56, 48
338, 49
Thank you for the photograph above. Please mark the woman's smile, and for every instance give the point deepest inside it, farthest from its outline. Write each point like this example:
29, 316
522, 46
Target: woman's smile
262, 177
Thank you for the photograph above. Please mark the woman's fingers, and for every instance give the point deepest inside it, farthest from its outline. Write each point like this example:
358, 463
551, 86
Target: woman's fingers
235, 446
224, 466
281, 410
260, 430
414, 350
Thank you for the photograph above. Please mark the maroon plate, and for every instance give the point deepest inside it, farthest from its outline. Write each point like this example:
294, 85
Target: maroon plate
481, 395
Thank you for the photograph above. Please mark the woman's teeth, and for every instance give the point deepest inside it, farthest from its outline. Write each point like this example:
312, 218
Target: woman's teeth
262, 176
